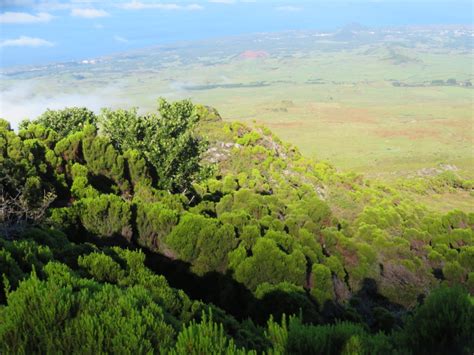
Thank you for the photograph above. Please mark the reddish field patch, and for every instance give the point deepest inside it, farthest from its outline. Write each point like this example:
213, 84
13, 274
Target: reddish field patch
293, 124
337, 114
254, 54
462, 124
412, 133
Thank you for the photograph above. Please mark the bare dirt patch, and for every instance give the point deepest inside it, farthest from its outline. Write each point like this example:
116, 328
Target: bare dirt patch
412, 133
333, 113
289, 124
462, 124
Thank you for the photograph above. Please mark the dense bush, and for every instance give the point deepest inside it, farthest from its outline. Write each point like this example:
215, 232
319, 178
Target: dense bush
202, 241
67, 315
154, 222
293, 337
322, 284
205, 337
167, 141
268, 263
106, 215
444, 324
66, 121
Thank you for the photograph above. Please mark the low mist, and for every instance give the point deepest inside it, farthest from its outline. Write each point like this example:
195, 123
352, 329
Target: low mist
25, 101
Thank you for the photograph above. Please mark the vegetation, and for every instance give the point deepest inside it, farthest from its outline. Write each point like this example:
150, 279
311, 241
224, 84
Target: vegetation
351, 115
174, 232
166, 141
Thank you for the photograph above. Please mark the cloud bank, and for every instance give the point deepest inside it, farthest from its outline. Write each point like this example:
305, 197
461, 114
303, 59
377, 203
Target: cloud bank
23, 17
89, 13
120, 39
222, 1
137, 5
288, 8
27, 101
25, 41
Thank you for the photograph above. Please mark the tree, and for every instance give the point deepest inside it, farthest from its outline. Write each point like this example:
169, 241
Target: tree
323, 288
67, 314
205, 337
270, 264
167, 141
25, 191
154, 222
444, 324
66, 121
106, 215
202, 241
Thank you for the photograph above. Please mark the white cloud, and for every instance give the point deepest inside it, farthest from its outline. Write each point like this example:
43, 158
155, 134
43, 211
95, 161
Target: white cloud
23, 17
288, 8
28, 100
231, 2
222, 1
86, 1
120, 39
137, 5
89, 13
25, 41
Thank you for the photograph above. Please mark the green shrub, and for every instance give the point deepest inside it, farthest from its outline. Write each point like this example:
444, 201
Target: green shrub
322, 284
269, 263
138, 168
205, 337
444, 324
154, 222
66, 121
105, 216
65, 314
453, 272
293, 337
166, 141
202, 241
102, 159
102, 267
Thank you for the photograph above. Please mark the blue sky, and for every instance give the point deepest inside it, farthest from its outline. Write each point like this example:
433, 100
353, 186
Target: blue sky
43, 31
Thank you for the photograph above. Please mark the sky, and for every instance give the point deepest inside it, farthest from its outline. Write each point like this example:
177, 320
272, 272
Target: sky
35, 32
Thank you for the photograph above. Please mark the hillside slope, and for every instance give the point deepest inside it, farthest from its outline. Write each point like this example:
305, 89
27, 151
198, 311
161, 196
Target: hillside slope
230, 215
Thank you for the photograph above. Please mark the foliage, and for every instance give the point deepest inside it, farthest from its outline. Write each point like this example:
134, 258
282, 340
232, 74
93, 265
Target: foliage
154, 222
167, 141
202, 241
323, 288
205, 337
66, 121
270, 264
77, 317
106, 215
443, 324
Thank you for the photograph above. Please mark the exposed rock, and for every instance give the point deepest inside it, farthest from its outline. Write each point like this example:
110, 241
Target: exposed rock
220, 152
341, 291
